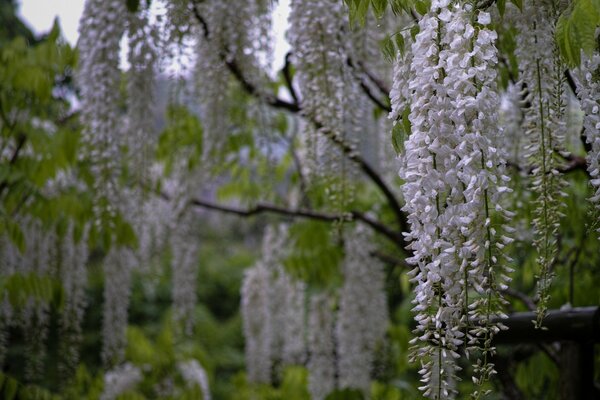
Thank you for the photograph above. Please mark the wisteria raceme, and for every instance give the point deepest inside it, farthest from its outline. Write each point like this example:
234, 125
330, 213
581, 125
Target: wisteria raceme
118, 266
8, 266
101, 27
424, 185
73, 273
39, 258
286, 298
273, 250
184, 272
323, 82
545, 129
588, 91
256, 314
140, 91
321, 347
193, 374
294, 326
453, 169
238, 35
119, 380
362, 316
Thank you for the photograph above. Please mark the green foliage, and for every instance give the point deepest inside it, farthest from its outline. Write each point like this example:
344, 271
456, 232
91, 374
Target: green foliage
576, 30
346, 394
181, 138
22, 288
314, 256
401, 131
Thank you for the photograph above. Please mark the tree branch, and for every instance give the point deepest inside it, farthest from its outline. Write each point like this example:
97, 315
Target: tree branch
348, 150
287, 75
262, 208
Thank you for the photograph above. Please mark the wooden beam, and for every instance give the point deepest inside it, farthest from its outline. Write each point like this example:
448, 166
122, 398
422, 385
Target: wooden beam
577, 325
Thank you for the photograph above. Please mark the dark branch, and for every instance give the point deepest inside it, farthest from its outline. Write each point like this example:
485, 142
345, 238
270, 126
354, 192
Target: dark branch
374, 99
349, 151
262, 208
253, 91
287, 75
376, 81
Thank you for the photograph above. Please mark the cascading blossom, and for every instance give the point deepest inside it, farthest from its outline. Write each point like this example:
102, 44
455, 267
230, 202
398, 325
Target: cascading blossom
101, 27
326, 86
184, 272
118, 266
193, 374
119, 380
140, 91
453, 169
256, 314
73, 274
321, 347
237, 34
545, 129
588, 91
362, 316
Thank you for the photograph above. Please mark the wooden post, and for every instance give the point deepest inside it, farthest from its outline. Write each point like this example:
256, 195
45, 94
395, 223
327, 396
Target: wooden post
577, 330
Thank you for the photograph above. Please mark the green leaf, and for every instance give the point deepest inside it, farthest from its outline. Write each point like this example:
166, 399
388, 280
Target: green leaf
379, 7
501, 4
575, 31
10, 388
16, 236
388, 48
400, 44
518, 3
422, 6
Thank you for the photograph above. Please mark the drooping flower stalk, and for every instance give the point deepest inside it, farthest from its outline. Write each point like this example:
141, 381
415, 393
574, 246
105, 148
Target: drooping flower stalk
326, 86
101, 27
118, 266
140, 91
453, 169
256, 316
545, 129
588, 91
362, 316
238, 35
39, 258
184, 272
73, 274
120, 380
321, 347
195, 375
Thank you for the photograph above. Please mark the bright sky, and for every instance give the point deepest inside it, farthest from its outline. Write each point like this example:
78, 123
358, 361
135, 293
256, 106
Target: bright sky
40, 14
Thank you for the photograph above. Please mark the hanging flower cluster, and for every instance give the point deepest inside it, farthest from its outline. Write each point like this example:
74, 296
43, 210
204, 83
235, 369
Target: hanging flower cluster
588, 90
118, 265
184, 272
101, 27
119, 380
228, 34
140, 90
321, 346
255, 309
193, 374
73, 273
273, 310
453, 170
326, 88
362, 315
545, 128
